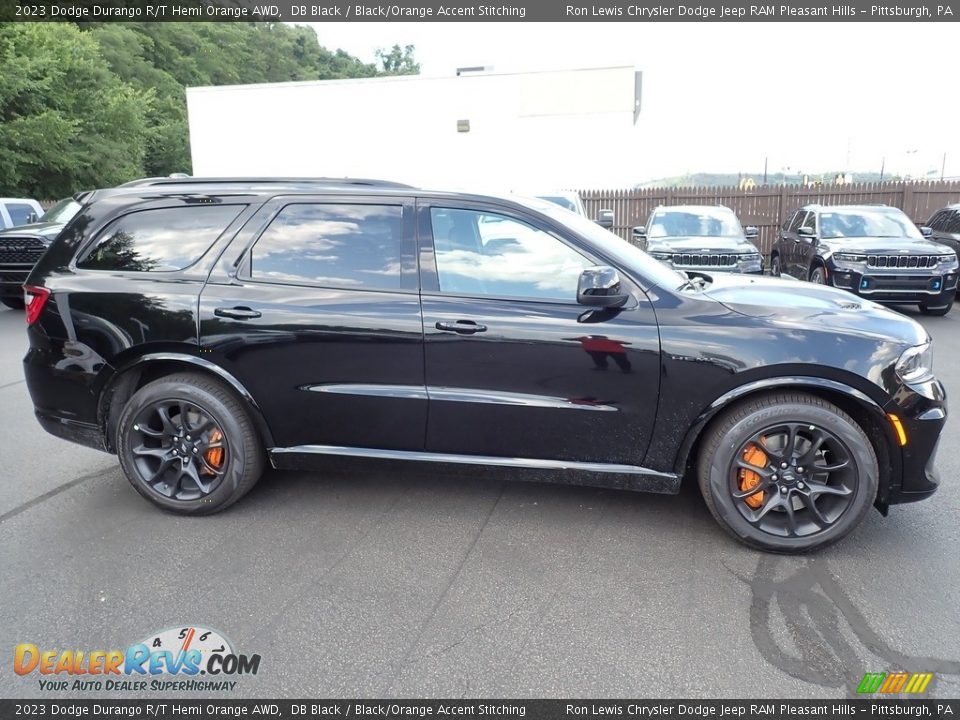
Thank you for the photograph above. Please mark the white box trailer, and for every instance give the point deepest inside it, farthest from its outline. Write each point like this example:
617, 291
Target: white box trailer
498, 131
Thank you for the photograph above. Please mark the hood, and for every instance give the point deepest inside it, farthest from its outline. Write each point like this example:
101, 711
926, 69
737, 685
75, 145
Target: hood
827, 308
45, 230
700, 244
882, 246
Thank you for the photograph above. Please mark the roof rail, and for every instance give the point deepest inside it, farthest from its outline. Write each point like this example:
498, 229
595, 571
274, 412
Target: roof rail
155, 181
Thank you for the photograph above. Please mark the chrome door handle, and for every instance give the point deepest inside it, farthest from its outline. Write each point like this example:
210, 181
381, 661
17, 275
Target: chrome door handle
463, 327
237, 313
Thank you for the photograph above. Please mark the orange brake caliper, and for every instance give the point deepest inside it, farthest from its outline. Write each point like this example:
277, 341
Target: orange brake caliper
749, 479
214, 456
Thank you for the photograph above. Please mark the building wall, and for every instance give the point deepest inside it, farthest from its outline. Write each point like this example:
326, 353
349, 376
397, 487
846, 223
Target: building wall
533, 130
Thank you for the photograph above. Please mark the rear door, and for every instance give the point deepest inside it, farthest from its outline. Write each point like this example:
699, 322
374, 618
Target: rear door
314, 308
806, 246
515, 367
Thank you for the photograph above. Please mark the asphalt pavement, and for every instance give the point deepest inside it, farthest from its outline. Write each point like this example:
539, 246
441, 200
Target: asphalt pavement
373, 580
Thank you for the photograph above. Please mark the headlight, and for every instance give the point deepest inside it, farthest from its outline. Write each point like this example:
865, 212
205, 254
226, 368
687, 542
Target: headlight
850, 257
916, 364
950, 259
750, 258
662, 255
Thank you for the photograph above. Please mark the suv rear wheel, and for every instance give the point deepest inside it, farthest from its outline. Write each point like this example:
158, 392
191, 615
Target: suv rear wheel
188, 445
788, 472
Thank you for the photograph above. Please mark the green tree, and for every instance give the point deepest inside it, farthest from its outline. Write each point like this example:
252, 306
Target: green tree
398, 61
67, 122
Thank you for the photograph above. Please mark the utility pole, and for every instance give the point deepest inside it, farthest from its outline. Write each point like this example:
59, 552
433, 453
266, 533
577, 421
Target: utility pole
883, 166
943, 167
765, 160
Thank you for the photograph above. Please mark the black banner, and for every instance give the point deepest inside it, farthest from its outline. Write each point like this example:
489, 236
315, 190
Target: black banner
477, 10
173, 709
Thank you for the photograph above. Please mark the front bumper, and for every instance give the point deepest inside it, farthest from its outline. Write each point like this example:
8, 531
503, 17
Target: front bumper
711, 263
922, 409
930, 287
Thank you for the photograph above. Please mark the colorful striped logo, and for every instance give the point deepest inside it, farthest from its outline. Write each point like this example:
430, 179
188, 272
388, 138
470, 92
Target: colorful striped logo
893, 683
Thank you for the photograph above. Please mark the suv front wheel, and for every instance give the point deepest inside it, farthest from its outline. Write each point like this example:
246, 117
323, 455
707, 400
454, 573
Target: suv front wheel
788, 472
188, 445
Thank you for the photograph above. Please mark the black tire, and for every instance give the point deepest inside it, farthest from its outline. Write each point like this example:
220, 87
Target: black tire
818, 275
726, 438
935, 311
14, 303
208, 401
775, 269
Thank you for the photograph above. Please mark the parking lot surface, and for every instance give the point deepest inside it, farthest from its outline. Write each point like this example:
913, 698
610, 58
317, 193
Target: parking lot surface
384, 580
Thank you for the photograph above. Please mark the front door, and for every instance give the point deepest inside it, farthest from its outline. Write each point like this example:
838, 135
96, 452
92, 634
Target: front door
320, 321
515, 367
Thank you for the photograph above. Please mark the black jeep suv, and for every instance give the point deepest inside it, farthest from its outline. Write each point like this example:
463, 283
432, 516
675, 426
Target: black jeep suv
871, 250
202, 329
700, 237
22, 246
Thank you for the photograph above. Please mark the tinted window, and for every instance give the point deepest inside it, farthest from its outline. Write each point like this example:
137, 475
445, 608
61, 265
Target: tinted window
159, 240
20, 213
938, 220
347, 246
787, 223
953, 223
798, 220
880, 222
481, 253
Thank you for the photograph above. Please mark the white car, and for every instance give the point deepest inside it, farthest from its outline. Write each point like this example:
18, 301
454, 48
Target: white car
18, 211
571, 201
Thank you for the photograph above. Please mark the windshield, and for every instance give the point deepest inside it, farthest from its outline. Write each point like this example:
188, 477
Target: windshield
563, 202
62, 212
694, 222
617, 248
867, 223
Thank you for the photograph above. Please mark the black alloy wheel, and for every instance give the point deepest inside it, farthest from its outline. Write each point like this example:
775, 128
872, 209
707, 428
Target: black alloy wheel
818, 275
187, 443
803, 482
787, 472
180, 452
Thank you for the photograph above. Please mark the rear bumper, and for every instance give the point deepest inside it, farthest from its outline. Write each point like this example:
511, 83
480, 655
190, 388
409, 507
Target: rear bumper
77, 432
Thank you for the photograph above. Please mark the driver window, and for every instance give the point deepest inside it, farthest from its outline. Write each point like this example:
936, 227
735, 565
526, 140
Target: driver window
480, 253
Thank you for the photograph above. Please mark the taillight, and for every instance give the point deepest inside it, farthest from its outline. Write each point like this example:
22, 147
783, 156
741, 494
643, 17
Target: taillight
35, 298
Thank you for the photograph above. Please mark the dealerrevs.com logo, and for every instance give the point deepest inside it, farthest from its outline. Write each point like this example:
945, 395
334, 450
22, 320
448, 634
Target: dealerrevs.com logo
183, 653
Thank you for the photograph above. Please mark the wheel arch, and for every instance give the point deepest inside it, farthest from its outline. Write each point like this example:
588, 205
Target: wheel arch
137, 372
861, 407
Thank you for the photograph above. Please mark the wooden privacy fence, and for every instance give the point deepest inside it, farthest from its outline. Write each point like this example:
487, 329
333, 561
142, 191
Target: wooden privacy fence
766, 206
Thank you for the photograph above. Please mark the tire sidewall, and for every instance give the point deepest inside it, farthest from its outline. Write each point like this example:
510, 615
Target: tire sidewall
237, 459
775, 269
817, 271
860, 452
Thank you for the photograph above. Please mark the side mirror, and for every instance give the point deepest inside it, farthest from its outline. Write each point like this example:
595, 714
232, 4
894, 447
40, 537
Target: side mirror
751, 232
605, 219
640, 233
927, 231
806, 231
600, 287
32, 218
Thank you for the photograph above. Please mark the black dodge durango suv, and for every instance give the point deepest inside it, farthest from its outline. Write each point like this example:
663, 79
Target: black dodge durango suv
202, 329
874, 251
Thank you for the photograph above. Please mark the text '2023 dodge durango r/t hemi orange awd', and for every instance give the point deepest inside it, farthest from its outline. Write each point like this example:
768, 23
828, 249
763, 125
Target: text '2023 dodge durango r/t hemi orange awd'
202, 328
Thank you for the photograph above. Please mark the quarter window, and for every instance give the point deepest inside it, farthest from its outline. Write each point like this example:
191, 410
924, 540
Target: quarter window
479, 253
341, 246
161, 240
20, 213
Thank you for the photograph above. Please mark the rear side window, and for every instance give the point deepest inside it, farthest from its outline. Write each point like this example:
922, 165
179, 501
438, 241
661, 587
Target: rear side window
20, 213
162, 240
939, 220
355, 247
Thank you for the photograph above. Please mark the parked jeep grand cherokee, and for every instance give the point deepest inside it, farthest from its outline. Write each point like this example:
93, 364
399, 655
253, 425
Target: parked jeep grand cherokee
201, 329
874, 251
700, 237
